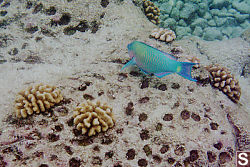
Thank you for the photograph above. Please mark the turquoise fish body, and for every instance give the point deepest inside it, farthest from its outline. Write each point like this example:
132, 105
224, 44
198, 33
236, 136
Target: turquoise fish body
153, 61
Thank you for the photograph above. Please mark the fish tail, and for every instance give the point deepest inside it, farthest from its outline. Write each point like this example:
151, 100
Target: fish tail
130, 63
185, 69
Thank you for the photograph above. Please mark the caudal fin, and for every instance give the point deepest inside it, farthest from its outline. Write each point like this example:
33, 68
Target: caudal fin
185, 70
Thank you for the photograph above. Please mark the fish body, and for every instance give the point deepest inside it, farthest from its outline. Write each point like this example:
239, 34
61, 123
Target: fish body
153, 61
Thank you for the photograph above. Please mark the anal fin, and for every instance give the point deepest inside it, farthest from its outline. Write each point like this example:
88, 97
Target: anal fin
162, 74
145, 72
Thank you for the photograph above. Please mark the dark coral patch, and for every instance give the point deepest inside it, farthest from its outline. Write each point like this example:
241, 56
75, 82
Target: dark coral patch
129, 108
175, 86
130, 154
171, 160
168, 117
195, 117
38, 8
162, 87
68, 150
214, 126
224, 157
104, 3
65, 19
157, 159
51, 10
179, 150
185, 114
158, 127
144, 134
144, 100
142, 162
147, 150
109, 154
218, 145
211, 156
145, 83
53, 137
164, 149
194, 155
143, 117
82, 26
74, 162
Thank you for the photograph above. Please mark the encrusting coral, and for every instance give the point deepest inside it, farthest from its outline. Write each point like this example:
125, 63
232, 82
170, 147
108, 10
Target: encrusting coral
151, 11
36, 99
163, 34
92, 118
225, 81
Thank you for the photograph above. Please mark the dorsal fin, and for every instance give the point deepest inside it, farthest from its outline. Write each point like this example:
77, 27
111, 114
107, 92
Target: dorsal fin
166, 54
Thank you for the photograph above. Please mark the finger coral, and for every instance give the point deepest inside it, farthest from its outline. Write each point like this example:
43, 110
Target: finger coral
225, 81
92, 118
36, 99
151, 11
163, 34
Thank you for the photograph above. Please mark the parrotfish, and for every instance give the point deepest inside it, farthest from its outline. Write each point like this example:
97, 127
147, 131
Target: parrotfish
153, 61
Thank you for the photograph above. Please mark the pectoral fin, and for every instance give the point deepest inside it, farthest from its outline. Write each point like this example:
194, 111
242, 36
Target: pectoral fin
162, 74
130, 63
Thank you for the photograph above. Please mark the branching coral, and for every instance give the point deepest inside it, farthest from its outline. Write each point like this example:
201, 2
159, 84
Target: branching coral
36, 99
151, 11
225, 81
163, 34
92, 118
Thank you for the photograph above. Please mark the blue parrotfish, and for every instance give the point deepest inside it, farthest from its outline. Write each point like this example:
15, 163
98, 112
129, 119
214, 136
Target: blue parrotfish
153, 61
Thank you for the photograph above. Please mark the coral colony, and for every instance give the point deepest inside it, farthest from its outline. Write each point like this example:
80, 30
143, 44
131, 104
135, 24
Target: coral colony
91, 118
223, 80
151, 11
164, 35
36, 99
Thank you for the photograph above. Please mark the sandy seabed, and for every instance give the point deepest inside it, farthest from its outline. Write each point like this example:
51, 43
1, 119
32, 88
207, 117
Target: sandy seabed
173, 121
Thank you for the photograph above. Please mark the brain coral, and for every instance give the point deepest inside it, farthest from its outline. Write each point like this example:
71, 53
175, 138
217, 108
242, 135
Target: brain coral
36, 99
225, 81
92, 118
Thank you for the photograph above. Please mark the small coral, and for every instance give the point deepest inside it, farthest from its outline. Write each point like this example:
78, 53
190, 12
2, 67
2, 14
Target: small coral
194, 60
36, 99
92, 118
151, 11
225, 81
163, 34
